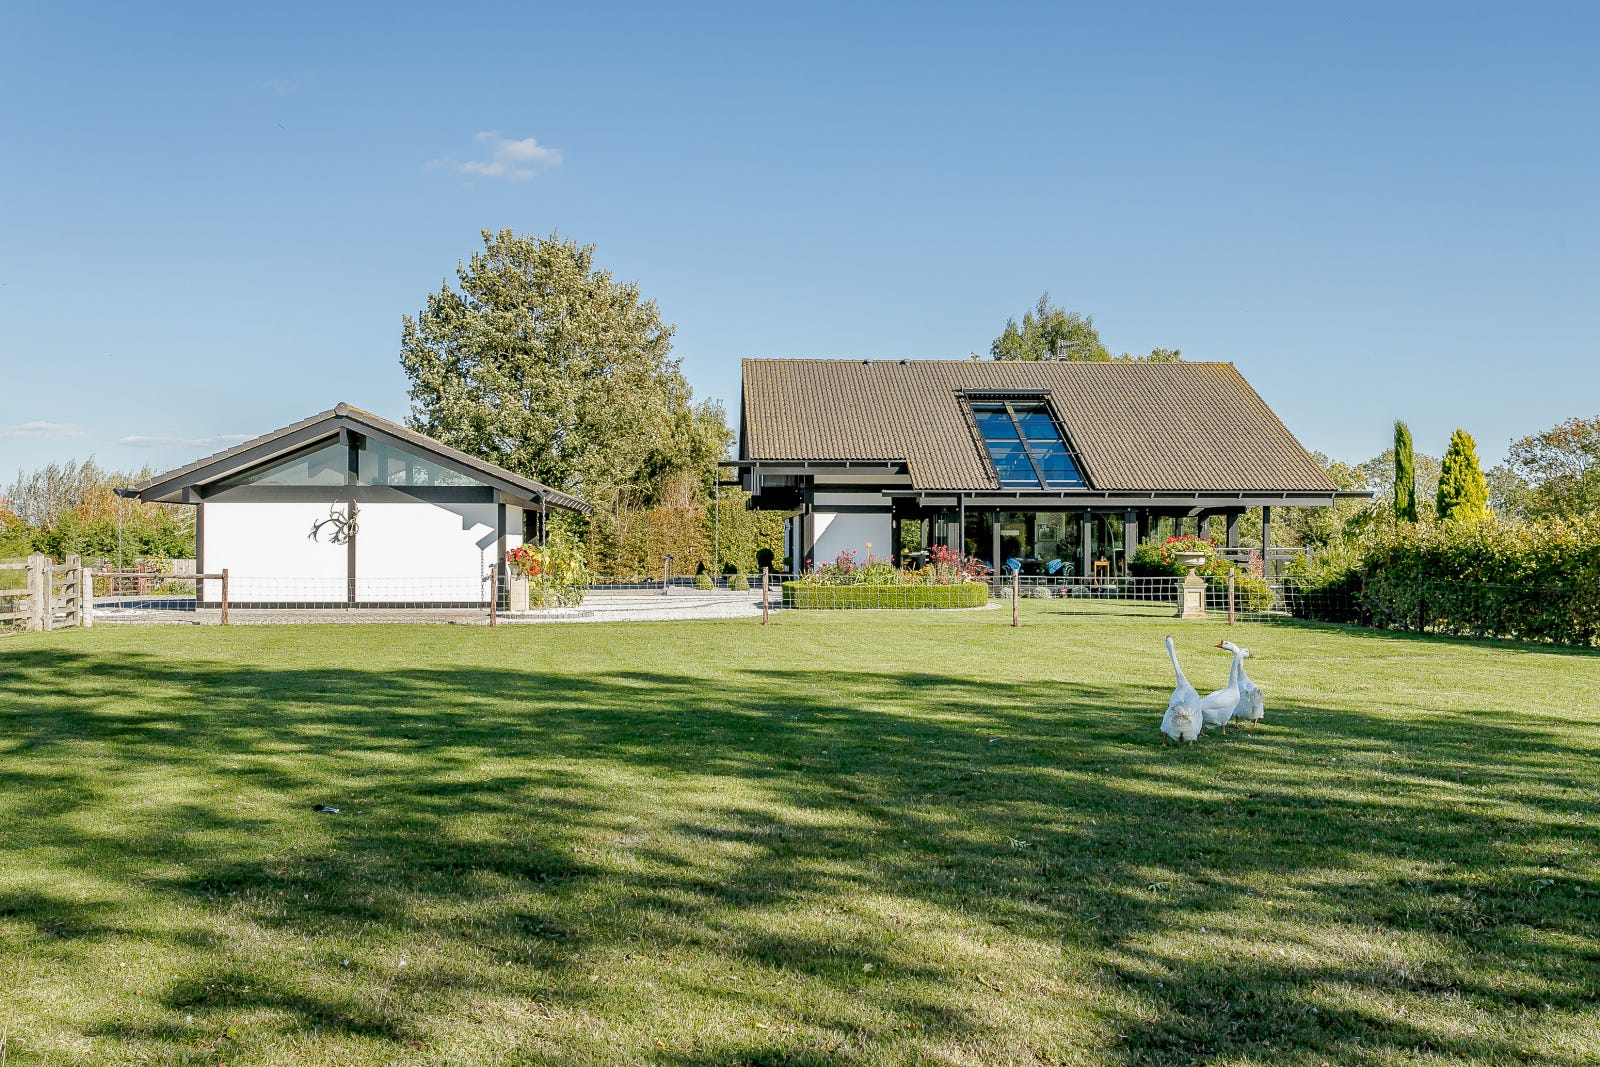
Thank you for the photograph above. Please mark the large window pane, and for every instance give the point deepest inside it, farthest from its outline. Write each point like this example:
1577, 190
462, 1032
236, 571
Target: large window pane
381, 463
318, 465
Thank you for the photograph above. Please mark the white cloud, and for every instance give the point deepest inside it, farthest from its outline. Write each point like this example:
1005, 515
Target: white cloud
173, 440
42, 429
516, 159
280, 87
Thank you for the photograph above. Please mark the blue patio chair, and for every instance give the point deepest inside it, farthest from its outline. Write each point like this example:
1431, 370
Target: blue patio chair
1054, 567
1013, 564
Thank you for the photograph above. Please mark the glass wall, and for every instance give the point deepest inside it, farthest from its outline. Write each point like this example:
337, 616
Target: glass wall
1045, 543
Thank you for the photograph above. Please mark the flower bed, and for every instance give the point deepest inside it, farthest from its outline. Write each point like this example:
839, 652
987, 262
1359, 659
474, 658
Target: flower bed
808, 595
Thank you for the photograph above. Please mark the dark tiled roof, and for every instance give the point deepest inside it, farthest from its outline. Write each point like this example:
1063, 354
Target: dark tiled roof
1135, 426
229, 460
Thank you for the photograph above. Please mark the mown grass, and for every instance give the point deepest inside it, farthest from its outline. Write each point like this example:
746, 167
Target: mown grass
846, 838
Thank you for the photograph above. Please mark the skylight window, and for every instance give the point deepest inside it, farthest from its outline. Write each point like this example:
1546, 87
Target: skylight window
1026, 445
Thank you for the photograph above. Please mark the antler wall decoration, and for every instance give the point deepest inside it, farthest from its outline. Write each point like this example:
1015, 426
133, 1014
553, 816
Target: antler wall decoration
344, 526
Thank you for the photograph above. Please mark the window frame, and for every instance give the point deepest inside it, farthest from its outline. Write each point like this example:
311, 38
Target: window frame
1032, 406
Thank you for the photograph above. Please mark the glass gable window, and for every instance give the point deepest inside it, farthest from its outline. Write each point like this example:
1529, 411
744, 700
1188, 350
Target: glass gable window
380, 463
1026, 445
318, 465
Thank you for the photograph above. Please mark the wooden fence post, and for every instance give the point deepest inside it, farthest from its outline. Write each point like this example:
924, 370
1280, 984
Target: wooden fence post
72, 590
494, 594
766, 594
38, 592
1230, 598
1016, 578
224, 596
86, 591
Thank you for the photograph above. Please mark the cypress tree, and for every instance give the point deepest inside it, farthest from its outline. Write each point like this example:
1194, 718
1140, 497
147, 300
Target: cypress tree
1463, 490
1405, 475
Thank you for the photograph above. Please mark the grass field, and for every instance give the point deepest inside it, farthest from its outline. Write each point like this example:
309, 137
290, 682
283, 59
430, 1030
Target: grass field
846, 838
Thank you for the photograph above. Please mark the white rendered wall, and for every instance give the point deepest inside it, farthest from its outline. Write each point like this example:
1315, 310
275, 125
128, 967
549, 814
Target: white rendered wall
840, 531
268, 553
413, 551
428, 552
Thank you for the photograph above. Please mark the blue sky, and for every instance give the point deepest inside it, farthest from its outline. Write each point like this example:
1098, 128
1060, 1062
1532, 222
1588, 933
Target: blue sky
212, 219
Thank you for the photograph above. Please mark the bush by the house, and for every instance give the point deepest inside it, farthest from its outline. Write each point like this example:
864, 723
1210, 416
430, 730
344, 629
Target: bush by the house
738, 583
557, 575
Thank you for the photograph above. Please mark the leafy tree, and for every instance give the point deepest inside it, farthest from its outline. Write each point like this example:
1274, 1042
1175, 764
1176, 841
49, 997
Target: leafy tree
548, 366
1560, 468
1463, 490
1405, 475
72, 507
1050, 332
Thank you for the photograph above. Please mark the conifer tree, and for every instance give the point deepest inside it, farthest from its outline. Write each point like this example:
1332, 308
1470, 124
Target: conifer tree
1463, 490
1405, 475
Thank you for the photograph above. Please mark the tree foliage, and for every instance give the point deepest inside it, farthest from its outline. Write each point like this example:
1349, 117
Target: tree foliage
1405, 475
546, 365
1051, 332
1463, 491
1554, 473
72, 508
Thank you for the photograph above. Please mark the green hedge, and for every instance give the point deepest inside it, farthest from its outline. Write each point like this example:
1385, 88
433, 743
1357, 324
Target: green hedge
1482, 579
959, 595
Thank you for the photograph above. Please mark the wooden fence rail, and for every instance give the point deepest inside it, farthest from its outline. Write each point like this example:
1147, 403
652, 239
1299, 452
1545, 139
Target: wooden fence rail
199, 579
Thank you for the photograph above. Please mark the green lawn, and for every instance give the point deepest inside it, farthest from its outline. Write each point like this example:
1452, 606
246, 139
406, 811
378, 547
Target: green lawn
845, 838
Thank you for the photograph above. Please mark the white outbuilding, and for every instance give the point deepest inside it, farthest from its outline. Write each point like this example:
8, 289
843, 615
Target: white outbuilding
346, 508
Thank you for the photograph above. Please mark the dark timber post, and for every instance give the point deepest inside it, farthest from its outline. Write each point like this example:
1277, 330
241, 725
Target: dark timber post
1085, 547
1233, 528
1266, 539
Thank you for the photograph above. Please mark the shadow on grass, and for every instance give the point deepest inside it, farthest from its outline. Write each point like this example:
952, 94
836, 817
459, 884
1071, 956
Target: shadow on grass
538, 823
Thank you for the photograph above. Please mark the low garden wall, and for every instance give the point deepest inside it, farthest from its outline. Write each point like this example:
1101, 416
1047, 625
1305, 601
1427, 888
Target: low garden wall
956, 595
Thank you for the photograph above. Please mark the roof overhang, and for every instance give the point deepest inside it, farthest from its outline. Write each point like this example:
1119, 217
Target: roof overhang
1192, 502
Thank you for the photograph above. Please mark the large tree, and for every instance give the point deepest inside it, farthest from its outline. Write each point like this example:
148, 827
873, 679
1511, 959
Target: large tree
1051, 332
1560, 468
1463, 490
541, 362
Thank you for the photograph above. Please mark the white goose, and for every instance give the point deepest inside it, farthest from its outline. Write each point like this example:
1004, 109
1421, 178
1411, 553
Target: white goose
1251, 706
1182, 721
1217, 708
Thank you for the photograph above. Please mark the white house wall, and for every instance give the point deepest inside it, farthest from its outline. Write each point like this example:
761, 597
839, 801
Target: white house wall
268, 554
851, 531
411, 551
428, 552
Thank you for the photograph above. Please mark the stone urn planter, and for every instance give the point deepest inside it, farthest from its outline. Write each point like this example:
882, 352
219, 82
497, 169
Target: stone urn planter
1192, 593
517, 597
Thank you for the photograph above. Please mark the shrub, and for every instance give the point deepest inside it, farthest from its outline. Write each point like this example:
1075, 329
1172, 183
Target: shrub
738, 583
702, 581
808, 595
557, 574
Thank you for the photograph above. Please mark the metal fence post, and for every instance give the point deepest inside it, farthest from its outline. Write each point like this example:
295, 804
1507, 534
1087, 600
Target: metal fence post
224, 596
765, 594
